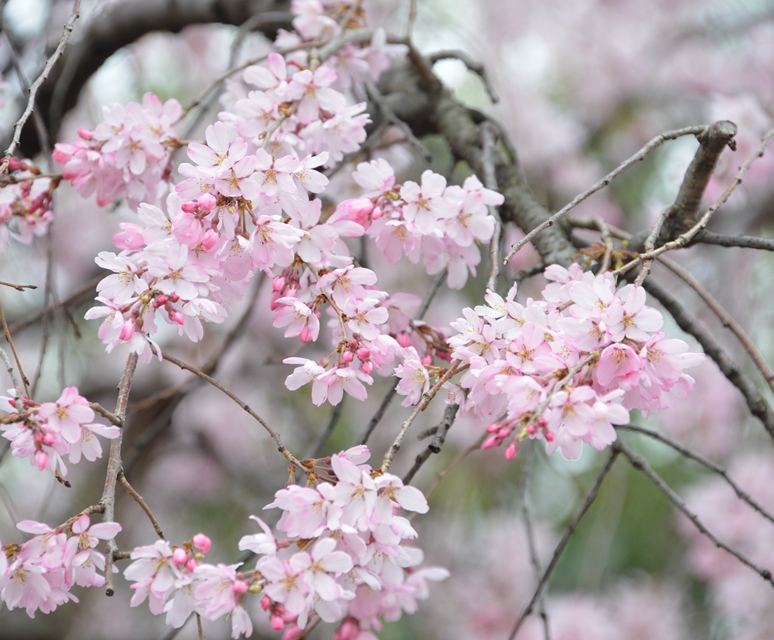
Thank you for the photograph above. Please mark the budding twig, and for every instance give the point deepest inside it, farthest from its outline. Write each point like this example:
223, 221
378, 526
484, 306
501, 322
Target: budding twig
33, 90
604, 182
274, 435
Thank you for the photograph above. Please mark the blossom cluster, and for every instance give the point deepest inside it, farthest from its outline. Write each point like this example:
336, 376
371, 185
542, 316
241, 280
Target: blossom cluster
565, 368
342, 560
46, 432
25, 203
442, 224
126, 155
39, 574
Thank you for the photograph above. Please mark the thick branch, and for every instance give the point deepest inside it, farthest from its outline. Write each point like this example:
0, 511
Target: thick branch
120, 26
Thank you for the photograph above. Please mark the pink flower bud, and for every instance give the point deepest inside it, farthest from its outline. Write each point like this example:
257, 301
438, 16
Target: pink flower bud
39, 438
427, 359
376, 213
276, 623
48, 439
306, 334
189, 207
207, 202
162, 300
210, 239
179, 556
531, 430
363, 353
367, 367
404, 339
294, 633
240, 587
127, 331
348, 630
41, 459
357, 209
191, 565
278, 284
542, 422
493, 428
265, 602
177, 317
202, 542
491, 442
85, 134
348, 356
549, 436
512, 450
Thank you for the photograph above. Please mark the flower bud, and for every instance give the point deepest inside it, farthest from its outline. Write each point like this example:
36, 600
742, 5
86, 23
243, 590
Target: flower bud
207, 202
202, 542
367, 367
348, 356
85, 134
512, 450
240, 587
363, 353
179, 556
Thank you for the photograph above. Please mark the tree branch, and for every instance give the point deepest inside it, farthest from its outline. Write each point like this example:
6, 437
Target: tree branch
582, 509
755, 401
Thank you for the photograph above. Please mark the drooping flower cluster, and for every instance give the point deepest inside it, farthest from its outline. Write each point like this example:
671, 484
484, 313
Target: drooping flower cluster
25, 204
126, 155
439, 223
46, 432
39, 574
564, 368
343, 558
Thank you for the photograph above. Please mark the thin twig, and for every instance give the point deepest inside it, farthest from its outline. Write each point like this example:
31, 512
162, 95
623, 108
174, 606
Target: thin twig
143, 505
412, 16
9, 340
68, 29
115, 467
108, 415
18, 287
756, 403
32, 318
389, 115
638, 462
439, 437
476, 67
245, 407
725, 318
582, 509
426, 399
693, 455
526, 517
650, 244
746, 242
604, 182
317, 448
11, 372
684, 238
423, 307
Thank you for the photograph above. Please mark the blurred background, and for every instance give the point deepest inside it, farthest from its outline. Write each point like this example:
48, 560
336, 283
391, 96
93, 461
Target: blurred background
582, 85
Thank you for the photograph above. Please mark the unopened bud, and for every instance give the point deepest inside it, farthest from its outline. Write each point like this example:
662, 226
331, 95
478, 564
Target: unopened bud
179, 556
367, 367
511, 451
348, 356
202, 542
85, 134
363, 353
240, 587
